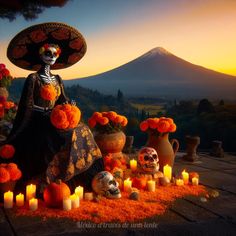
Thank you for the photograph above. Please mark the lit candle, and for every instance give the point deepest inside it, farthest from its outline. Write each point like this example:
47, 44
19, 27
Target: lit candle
167, 171
185, 177
20, 200
67, 204
88, 196
30, 191
8, 199
127, 185
179, 182
151, 185
74, 201
33, 204
195, 181
79, 191
133, 165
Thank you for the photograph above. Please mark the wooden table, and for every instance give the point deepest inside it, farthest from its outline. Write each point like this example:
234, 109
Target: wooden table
186, 216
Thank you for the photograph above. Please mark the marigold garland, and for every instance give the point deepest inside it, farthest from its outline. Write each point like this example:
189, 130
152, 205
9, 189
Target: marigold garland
65, 116
48, 92
7, 151
119, 210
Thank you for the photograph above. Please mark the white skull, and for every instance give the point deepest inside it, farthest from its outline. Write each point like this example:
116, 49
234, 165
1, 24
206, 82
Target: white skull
148, 160
49, 54
104, 184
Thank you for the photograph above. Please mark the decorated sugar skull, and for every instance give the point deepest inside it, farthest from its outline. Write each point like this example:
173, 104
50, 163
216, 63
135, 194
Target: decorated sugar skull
104, 184
49, 53
148, 160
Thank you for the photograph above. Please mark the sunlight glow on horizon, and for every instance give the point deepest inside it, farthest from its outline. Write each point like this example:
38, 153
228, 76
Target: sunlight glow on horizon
201, 32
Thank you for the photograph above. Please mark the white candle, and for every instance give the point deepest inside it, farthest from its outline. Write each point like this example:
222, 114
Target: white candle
74, 201
30, 191
195, 181
151, 185
185, 177
167, 171
179, 182
133, 165
80, 192
127, 185
20, 200
8, 199
33, 204
67, 204
88, 196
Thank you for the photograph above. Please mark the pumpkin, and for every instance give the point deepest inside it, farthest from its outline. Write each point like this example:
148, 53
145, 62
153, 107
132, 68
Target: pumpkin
139, 182
54, 194
193, 175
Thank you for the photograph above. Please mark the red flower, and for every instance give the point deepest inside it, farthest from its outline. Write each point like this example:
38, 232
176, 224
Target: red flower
4, 175
5, 72
7, 151
2, 66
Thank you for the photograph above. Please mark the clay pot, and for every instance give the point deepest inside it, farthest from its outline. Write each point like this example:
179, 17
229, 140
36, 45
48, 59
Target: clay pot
111, 143
166, 149
192, 143
217, 149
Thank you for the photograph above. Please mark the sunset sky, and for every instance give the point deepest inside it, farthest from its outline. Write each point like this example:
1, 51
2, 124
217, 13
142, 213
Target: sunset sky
201, 31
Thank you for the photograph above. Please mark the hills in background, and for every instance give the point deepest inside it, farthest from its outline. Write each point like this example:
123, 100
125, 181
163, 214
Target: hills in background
159, 73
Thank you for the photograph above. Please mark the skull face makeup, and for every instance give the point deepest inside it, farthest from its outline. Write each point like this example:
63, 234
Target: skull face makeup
49, 53
104, 184
148, 160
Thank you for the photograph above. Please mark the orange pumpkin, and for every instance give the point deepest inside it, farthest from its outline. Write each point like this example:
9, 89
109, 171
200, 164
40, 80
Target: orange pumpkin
193, 175
139, 182
54, 194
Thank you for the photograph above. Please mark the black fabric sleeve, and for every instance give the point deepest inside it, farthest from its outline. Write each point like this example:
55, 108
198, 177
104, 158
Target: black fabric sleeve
24, 108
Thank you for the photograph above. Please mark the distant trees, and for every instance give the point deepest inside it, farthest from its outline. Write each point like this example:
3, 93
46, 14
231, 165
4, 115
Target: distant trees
205, 106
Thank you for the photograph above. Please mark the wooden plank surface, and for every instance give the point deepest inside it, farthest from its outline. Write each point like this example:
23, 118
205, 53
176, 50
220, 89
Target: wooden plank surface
5, 228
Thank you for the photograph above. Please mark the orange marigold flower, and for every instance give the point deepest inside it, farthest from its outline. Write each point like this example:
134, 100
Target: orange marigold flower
15, 174
7, 151
124, 122
111, 115
4, 175
48, 92
8, 105
65, 116
170, 120
172, 128
92, 122
152, 122
118, 119
144, 125
163, 126
59, 119
104, 113
96, 115
103, 121
11, 166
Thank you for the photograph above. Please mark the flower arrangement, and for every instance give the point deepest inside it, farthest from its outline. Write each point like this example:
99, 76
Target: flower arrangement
111, 163
5, 77
107, 122
159, 126
9, 172
65, 116
8, 109
48, 92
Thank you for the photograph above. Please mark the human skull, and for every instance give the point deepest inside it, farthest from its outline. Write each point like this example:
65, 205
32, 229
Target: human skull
49, 53
148, 160
104, 184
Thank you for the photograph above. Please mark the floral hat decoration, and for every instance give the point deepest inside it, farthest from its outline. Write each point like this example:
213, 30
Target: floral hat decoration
23, 50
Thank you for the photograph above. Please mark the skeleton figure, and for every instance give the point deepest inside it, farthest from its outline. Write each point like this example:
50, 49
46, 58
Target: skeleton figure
104, 184
48, 54
148, 160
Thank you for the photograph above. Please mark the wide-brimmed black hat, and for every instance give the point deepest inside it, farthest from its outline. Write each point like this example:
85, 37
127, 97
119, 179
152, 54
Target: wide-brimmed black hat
23, 50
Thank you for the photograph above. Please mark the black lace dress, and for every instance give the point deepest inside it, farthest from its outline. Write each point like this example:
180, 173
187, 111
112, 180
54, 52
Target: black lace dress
42, 150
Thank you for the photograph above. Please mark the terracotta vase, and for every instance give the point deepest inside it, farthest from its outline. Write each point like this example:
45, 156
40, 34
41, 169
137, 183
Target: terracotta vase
166, 149
111, 143
192, 143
